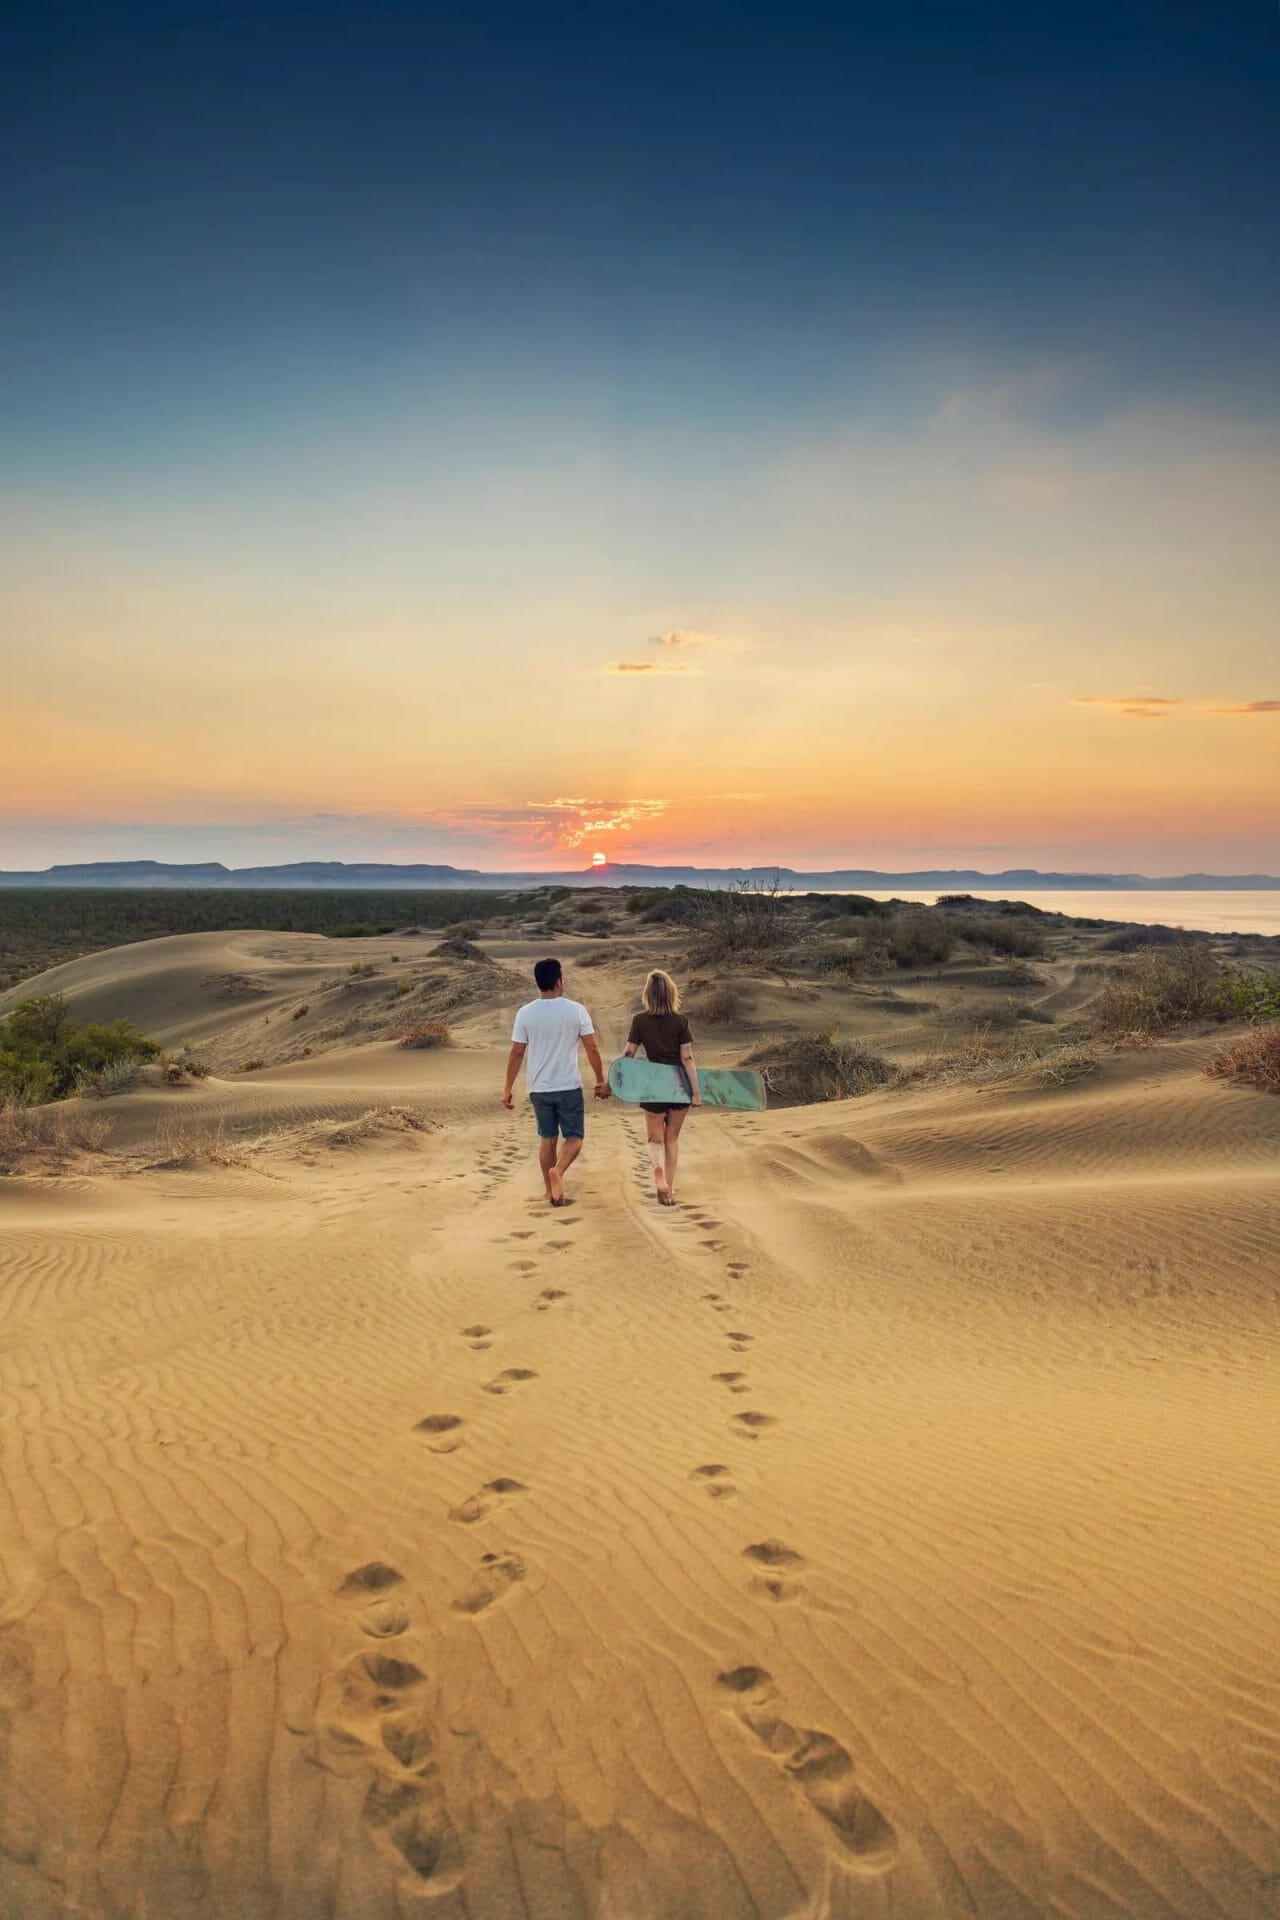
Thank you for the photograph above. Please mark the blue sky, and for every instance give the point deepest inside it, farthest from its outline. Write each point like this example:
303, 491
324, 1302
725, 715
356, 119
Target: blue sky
386, 345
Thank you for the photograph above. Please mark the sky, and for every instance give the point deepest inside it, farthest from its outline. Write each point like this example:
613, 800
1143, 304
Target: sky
508, 435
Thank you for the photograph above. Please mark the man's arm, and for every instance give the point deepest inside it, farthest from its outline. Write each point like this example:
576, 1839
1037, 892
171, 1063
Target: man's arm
597, 1065
514, 1060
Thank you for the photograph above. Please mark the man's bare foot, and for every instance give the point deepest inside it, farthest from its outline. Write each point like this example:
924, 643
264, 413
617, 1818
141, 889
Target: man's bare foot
555, 1188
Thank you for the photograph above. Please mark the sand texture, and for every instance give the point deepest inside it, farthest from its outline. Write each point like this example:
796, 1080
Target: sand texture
889, 1531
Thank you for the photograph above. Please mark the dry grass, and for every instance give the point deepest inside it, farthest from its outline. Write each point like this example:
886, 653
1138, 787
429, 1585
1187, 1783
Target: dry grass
921, 939
1253, 1060
1159, 989
427, 1033
46, 1137
981, 1060
723, 1007
809, 1067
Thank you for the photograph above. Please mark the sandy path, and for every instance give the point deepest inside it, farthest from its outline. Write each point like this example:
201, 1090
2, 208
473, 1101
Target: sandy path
888, 1531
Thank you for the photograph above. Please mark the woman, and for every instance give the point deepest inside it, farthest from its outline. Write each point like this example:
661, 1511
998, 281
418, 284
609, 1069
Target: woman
663, 1031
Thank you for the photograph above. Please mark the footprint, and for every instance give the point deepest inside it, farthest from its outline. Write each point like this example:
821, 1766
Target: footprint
715, 1478
820, 1768
497, 1574
777, 1558
548, 1296
441, 1429
411, 1817
712, 1296
736, 1382
383, 1620
375, 1576
477, 1337
738, 1266
752, 1425
479, 1505
509, 1377
559, 1246
523, 1266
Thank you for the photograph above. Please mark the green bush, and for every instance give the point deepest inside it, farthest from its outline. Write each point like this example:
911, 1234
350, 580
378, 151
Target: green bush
1252, 993
46, 1055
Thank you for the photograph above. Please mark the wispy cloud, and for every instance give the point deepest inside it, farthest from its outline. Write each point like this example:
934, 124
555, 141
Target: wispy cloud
562, 823
648, 666
1131, 706
1156, 706
688, 637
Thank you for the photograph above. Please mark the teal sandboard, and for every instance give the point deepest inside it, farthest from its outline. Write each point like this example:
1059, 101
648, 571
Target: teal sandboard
636, 1080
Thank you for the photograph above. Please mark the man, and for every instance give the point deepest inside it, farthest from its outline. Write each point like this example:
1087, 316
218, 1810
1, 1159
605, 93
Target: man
548, 1030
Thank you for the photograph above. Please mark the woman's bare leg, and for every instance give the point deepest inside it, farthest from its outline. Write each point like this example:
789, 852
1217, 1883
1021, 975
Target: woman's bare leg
655, 1129
671, 1145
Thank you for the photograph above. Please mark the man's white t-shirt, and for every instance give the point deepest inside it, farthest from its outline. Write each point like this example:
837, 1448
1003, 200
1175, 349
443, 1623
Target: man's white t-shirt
551, 1030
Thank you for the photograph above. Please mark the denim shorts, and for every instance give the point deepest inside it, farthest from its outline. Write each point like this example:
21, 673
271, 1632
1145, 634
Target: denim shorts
563, 1112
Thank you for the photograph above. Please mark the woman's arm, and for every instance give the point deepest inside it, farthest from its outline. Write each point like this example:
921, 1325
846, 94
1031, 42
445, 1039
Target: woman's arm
690, 1073
629, 1051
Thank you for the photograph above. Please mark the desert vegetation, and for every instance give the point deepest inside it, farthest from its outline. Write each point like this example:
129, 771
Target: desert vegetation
1252, 1061
1161, 988
804, 1068
47, 1055
426, 1033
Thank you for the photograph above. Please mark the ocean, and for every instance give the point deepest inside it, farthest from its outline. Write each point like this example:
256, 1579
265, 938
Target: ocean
1243, 911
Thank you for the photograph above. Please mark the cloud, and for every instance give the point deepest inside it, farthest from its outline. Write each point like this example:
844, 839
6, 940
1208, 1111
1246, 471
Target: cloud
687, 637
1156, 706
1131, 706
562, 823
647, 666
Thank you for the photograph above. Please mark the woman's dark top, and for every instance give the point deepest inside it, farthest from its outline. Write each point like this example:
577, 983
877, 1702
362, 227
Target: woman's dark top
661, 1035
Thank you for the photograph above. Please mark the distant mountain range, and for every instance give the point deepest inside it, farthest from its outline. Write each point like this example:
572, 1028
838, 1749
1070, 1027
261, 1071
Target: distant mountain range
372, 875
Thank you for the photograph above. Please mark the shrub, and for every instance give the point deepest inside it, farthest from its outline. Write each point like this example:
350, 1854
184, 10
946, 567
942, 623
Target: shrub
457, 947
920, 940
1002, 936
1138, 939
1253, 1060
362, 970
809, 1067
724, 1007
298, 1012
178, 1067
1158, 989
740, 923
45, 1053
427, 1033
117, 1076
360, 930
250, 1066
28, 1133
1253, 993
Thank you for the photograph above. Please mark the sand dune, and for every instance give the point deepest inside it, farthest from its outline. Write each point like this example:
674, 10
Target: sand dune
888, 1531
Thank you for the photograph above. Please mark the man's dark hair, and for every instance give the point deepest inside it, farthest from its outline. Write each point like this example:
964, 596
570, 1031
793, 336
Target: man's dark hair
547, 973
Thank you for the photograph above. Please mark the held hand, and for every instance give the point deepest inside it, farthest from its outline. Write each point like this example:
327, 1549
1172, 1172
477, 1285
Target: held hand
602, 1089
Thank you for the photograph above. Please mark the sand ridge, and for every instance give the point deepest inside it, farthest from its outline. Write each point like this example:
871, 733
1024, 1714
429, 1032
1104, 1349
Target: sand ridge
887, 1530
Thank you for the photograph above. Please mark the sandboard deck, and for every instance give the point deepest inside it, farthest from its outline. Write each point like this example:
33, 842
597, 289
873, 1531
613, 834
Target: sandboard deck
737, 1089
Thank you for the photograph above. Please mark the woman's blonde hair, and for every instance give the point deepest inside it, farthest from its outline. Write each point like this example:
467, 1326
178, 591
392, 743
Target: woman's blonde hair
661, 994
